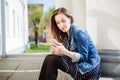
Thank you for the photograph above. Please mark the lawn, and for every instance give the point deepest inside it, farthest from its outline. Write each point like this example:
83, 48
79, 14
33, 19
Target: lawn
42, 48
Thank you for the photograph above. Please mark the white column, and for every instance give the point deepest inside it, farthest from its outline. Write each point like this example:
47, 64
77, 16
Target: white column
63, 3
91, 19
0, 33
25, 24
79, 12
3, 28
77, 9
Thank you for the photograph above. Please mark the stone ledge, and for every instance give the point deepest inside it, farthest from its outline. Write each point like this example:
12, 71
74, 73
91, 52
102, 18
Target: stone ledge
110, 62
65, 76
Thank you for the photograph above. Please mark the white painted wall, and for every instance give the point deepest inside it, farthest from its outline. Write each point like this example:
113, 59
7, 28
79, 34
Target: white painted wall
103, 22
16, 26
91, 21
100, 17
79, 14
76, 8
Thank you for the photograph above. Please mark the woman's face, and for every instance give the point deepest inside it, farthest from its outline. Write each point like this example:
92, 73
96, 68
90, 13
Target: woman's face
63, 22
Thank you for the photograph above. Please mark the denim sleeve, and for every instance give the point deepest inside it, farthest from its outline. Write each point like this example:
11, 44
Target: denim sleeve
82, 40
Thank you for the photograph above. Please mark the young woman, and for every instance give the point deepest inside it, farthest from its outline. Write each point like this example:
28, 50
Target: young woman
73, 52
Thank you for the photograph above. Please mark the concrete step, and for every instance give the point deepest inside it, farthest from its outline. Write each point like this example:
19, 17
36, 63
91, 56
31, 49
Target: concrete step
27, 67
28, 55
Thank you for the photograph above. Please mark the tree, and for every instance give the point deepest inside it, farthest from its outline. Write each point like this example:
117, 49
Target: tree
45, 20
34, 15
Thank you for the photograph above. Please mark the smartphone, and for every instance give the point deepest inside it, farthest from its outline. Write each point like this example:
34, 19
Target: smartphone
54, 41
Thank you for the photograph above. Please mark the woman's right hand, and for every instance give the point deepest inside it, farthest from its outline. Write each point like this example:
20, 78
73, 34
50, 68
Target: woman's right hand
55, 49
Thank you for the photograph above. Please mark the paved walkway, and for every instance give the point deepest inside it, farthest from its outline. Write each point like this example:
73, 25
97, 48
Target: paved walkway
26, 67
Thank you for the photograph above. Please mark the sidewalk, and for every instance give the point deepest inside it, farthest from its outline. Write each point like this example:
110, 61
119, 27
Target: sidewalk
21, 67
27, 67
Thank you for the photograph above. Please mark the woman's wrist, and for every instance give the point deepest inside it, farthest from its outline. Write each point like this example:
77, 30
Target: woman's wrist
68, 53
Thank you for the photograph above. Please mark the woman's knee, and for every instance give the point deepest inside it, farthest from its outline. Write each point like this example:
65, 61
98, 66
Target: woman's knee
51, 58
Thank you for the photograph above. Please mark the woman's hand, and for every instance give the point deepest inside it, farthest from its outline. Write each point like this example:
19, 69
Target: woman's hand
58, 48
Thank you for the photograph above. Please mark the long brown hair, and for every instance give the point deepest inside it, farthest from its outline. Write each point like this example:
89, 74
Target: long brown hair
56, 32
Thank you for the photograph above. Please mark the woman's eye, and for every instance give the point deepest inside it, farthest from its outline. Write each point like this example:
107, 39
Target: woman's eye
57, 22
63, 21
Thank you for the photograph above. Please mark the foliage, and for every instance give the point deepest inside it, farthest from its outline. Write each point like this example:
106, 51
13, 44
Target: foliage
37, 18
39, 21
45, 20
34, 15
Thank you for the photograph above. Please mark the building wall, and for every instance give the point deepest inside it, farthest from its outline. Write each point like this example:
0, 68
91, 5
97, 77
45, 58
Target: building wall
76, 8
16, 26
103, 22
100, 17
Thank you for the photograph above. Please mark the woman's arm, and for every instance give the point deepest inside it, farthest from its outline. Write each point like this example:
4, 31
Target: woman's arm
60, 50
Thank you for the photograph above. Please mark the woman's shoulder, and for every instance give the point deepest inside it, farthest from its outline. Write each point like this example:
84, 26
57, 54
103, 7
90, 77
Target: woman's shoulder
80, 33
79, 29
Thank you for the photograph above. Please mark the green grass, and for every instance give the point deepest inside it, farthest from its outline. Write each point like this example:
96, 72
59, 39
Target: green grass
42, 48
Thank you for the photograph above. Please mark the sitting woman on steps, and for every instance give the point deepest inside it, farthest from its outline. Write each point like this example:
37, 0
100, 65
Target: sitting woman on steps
73, 50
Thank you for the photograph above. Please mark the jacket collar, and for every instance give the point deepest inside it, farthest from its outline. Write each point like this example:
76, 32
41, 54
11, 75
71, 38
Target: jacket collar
72, 28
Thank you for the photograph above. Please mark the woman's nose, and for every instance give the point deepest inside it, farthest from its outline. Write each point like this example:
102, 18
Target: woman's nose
61, 24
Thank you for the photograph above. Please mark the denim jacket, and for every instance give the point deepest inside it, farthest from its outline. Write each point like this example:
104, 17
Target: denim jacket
80, 43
